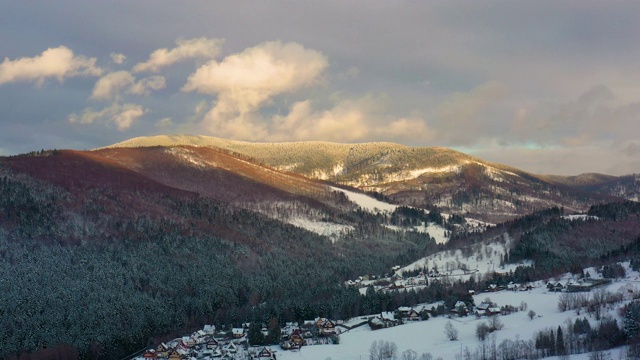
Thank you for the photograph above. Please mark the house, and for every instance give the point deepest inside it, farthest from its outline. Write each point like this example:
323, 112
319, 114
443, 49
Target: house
404, 310
460, 309
555, 287
266, 354
209, 329
230, 347
377, 323
175, 355
384, 320
493, 311
187, 342
162, 350
296, 339
523, 287
328, 328
150, 354
212, 344
237, 333
413, 315
483, 308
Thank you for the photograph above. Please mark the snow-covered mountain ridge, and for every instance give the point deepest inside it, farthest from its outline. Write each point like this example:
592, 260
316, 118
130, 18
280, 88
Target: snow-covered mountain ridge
416, 176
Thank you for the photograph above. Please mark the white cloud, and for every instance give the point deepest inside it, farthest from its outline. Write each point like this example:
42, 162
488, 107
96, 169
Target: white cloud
146, 85
59, 63
345, 122
186, 49
165, 123
110, 85
361, 119
117, 58
245, 81
123, 116
411, 129
127, 115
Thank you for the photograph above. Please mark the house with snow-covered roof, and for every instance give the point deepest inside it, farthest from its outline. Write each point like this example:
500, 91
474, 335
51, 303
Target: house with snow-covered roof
265, 354
413, 315
237, 332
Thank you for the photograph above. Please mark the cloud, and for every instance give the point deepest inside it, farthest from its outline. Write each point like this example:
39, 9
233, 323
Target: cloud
165, 123
245, 81
594, 116
146, 85
632, 149
186, 49
123, 116
59, 63
411, 129
117, 58
110, 85
345, 122
362, 119
459, 119
127, 115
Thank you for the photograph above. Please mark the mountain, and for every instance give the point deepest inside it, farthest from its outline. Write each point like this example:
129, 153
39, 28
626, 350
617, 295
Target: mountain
110, 248
416, 176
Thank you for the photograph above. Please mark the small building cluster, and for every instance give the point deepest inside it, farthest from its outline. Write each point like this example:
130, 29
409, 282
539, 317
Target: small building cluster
207, 344
393, 318
320, 331
576, 285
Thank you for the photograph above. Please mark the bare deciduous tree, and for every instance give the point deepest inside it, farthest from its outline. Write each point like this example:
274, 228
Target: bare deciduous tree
450, 331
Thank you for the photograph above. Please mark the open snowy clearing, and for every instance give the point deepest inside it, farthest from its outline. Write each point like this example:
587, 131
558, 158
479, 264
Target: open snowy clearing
372, 205
366, 202
479, 260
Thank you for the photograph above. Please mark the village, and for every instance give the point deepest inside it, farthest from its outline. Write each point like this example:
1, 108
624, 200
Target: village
212, 343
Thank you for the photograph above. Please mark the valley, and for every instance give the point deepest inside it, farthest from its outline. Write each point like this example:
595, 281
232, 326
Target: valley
169, 234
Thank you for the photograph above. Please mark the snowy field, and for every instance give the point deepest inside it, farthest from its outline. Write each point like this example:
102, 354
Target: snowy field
366, 202
429, 336
461, 265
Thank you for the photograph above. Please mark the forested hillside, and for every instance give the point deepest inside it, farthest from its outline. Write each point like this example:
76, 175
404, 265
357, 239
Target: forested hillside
104, 259
107, 253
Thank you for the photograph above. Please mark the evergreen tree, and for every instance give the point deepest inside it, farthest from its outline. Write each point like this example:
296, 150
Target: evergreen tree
560, 346
256, 337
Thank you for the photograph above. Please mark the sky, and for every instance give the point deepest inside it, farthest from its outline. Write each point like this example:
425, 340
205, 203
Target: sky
550, 87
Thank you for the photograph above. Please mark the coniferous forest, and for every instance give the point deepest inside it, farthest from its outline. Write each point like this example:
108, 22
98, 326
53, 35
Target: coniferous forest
100, 265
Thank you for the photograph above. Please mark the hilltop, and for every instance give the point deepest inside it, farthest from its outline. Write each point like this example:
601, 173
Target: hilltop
417, 176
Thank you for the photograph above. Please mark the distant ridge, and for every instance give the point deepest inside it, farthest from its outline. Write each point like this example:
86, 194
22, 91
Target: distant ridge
323, 159
418, 176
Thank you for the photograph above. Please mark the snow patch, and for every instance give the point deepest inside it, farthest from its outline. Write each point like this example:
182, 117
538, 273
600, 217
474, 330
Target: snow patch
366, 202
328, 229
